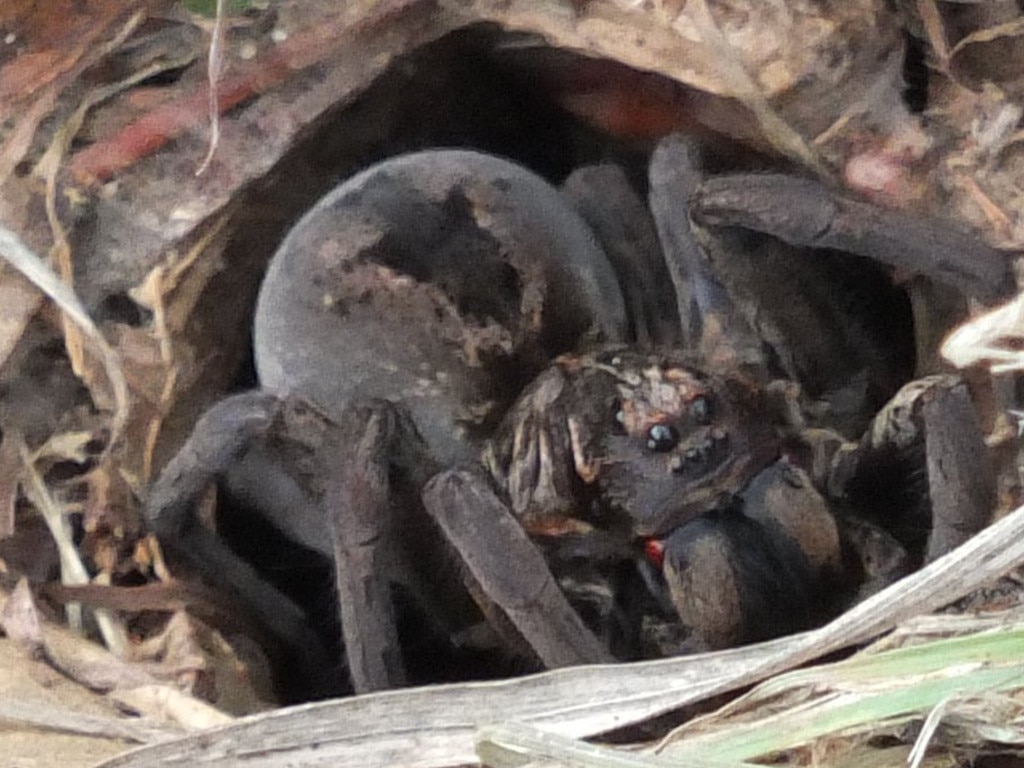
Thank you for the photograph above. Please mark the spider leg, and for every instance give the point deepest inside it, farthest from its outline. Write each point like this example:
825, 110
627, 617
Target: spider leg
362, 507
783, 498
735, 580
961, 479
606, 201
814, 215
219, 439
792, 274
711, 320
765, 566
507, 574
923, 470
375, 463
223, 434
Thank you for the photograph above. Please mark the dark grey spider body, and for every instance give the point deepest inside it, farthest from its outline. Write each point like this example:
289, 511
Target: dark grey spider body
676, 492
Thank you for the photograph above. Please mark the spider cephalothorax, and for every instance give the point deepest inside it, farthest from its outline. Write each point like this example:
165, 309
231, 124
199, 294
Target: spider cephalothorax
659, 440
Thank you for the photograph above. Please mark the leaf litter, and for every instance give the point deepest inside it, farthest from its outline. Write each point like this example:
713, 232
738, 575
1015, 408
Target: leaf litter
788, 78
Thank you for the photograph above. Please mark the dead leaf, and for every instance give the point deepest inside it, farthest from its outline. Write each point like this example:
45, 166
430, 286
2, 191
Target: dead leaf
163, 703
54, 50
92, 666
19, 301
207, 665
993, 54
10, 464
20, 619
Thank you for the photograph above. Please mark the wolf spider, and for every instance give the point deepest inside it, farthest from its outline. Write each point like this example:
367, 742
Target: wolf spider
476, 386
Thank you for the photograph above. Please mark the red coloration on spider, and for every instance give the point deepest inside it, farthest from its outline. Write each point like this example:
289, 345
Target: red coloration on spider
654, 549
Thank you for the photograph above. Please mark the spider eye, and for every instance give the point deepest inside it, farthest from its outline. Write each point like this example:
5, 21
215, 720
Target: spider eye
700, 410
662, 438
619, 414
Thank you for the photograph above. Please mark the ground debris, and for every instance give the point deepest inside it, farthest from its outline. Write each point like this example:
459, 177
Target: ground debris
104, 124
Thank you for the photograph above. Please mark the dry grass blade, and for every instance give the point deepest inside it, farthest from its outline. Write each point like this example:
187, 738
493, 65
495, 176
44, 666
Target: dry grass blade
931, 724
50, 717
853, 696
845, 699
215, 68
73, 570
437, 726
991, 338
782, 136
1012, 28
509, 746
21, 257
